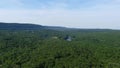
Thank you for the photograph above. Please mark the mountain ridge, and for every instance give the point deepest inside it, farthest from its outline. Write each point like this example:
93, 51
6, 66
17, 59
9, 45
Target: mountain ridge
27, 26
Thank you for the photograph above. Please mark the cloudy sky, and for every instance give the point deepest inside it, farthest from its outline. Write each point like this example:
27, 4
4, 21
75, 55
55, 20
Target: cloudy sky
68, 13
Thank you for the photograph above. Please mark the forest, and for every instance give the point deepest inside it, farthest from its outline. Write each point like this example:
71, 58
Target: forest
50, 48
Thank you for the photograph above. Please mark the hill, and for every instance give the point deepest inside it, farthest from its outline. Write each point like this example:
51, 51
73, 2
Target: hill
18, 26
36, 46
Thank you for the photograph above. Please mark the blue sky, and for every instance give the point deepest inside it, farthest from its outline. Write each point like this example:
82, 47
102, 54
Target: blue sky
68, 13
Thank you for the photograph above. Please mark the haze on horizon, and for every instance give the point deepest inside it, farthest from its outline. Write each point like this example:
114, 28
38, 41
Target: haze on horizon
67, 13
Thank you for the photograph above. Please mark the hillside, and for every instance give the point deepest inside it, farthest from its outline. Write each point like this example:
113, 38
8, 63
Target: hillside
27, 46
18, 26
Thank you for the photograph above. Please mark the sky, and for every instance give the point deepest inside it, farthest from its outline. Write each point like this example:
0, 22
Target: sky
68, 13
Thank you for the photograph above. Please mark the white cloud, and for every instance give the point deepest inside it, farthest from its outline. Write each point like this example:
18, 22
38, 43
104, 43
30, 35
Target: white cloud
105, 15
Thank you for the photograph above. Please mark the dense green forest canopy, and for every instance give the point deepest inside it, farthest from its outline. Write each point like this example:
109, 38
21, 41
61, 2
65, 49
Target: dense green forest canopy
35, 46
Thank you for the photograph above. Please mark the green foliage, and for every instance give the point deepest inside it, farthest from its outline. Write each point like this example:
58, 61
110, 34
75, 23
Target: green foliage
38, 49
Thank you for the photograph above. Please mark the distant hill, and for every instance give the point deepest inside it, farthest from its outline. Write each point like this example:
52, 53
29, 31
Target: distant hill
18, 26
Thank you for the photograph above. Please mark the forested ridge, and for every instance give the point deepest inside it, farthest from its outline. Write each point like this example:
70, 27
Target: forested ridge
49, 48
